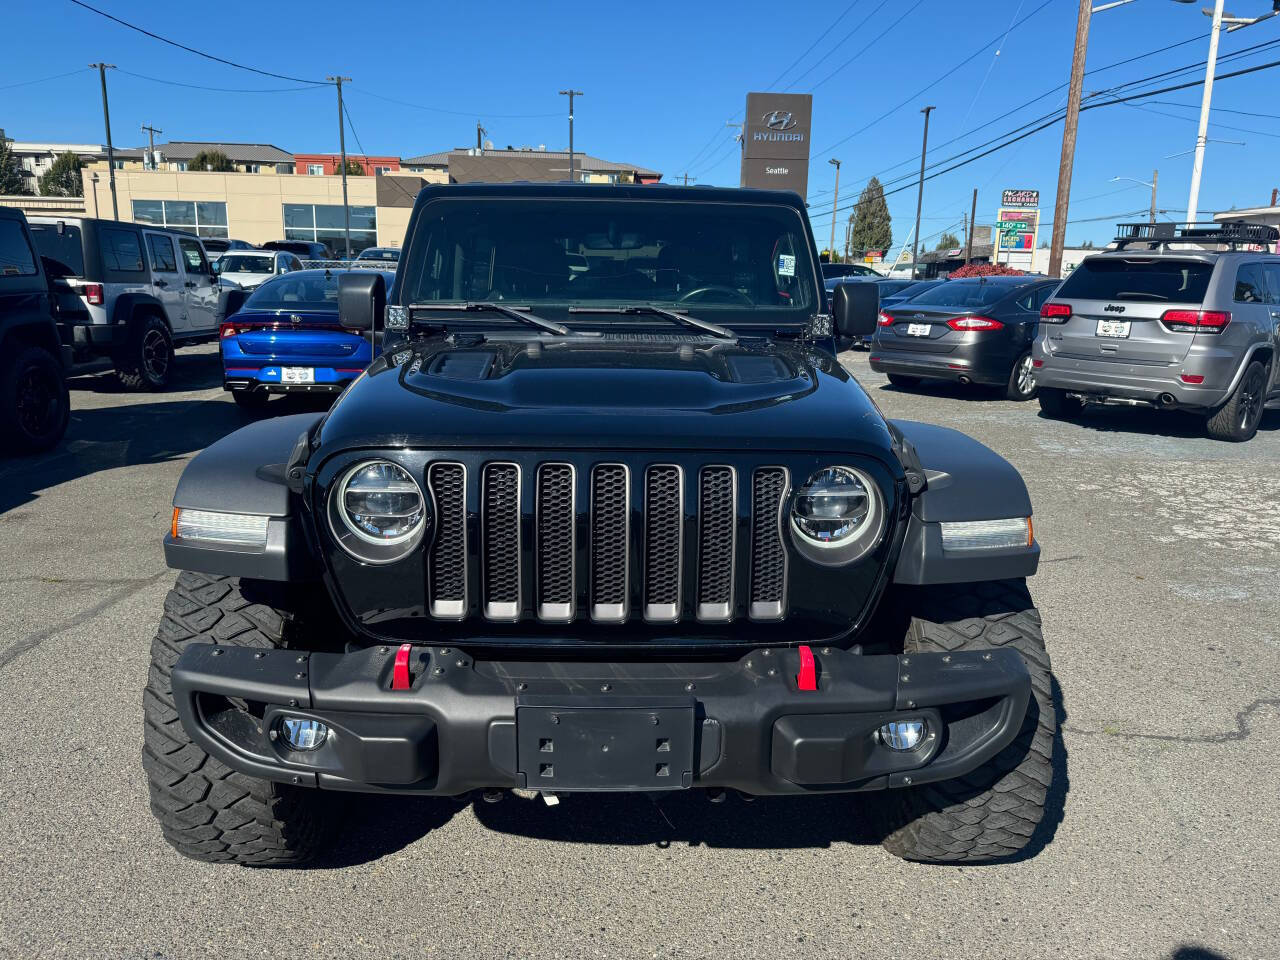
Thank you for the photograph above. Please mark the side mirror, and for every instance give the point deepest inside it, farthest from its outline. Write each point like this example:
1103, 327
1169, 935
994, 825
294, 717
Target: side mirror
854, 307
361, 299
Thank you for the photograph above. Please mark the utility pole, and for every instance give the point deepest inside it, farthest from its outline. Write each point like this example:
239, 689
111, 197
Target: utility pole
1206, 98
102, 69
973, 225
151, 132
342, 149
1067, 160
1155, 178
571, 93
480, 132
686, 178
835, 204
924, 150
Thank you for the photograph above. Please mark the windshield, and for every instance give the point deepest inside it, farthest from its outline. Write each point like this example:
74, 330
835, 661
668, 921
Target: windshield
963, 294
297, 291
728, 262
377, 254
1138, 281
233, 263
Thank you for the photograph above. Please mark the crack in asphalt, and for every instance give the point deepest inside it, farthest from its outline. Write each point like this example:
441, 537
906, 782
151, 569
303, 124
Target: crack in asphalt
1242, 731
33, 640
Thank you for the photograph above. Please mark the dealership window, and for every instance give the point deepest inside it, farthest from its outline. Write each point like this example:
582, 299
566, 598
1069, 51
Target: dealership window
205, 218
315, 169
325, 223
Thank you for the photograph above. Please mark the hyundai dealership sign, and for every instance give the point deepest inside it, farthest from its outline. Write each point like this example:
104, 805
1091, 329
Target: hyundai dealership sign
775, 141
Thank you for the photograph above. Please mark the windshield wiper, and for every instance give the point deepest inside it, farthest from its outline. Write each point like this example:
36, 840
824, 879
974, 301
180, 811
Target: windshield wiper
485, 306
681, 318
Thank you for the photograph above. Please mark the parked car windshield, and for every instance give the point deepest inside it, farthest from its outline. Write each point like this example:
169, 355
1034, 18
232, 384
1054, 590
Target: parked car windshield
379, 253
237, 263
305, 290
963, 294
716, 259
61, 253
1138, 280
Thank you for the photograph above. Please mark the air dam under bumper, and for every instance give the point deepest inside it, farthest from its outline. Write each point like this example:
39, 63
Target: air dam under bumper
464, 725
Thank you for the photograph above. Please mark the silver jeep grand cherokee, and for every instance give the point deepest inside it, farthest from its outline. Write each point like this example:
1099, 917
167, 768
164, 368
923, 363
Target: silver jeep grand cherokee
1173, 317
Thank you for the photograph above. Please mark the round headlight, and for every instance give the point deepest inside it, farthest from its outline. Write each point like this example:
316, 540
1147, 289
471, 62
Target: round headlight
377, 511
836, 515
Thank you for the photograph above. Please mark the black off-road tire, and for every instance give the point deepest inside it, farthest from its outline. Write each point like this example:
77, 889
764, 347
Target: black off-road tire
991, 813
206, 810
1022, 379
903, 382
145, 361
1237, 420
34, 402
1056, 405
251, 400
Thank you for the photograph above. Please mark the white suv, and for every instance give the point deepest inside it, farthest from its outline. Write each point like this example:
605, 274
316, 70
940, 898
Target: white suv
128, 291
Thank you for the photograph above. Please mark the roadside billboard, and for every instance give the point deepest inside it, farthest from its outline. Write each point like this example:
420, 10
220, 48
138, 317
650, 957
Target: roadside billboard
775, 141
1017, 225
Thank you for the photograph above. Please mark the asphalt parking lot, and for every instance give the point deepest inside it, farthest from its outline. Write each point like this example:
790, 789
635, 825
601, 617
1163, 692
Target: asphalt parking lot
1159, 594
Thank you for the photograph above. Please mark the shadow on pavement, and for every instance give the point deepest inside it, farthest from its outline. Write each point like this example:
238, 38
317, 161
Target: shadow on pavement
1189, 952
1175, 424
378, 826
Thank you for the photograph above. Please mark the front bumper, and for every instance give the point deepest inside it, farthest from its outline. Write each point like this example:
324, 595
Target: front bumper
582, 726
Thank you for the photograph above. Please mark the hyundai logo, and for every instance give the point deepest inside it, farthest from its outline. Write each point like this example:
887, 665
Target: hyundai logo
779, 120
294, 318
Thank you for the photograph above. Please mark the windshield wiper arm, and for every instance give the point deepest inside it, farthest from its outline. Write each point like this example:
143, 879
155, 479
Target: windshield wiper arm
681, 318
485, 306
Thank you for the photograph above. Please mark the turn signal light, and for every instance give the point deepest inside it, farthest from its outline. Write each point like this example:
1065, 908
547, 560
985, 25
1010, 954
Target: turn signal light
1055, 312
885, 320
974, 323
1198, 321
93, 293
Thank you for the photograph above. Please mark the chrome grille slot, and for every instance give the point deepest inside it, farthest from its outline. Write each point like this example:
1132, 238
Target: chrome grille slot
500, 540
663, 542
556, 516
447, 563
610, 541
717, 541
768, 553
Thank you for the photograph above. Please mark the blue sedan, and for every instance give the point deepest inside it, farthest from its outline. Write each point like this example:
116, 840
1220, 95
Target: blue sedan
286, 338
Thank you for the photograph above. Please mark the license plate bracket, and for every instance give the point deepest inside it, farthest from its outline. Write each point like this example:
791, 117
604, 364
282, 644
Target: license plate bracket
577, 746
1115, 329
919, 329
297, 375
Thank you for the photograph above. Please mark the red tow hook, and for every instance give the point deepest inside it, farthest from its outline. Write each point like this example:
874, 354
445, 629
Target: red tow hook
400, 679
807, 678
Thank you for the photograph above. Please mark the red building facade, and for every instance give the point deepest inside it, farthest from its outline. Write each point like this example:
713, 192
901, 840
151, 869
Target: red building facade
328, 164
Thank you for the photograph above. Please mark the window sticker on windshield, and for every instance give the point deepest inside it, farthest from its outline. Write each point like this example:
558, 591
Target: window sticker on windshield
786, 265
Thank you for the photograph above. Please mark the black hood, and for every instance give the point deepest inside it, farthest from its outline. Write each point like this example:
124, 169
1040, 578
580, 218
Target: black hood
614, 391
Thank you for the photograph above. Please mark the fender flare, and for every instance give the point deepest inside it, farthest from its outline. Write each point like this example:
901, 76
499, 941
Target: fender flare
246, 472
964, 481
127, 306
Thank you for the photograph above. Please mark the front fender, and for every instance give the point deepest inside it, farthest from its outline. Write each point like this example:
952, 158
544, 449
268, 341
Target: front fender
965, 480
245, 472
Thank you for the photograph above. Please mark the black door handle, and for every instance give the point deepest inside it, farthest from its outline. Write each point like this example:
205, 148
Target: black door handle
189, 283
162, 283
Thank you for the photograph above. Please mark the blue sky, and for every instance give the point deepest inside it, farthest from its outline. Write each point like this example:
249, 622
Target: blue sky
661, 82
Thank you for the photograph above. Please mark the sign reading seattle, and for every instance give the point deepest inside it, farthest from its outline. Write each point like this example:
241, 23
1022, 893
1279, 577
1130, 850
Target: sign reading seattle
777, 129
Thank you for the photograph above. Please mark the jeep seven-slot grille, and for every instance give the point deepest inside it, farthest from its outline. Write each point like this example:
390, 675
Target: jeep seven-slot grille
674, 547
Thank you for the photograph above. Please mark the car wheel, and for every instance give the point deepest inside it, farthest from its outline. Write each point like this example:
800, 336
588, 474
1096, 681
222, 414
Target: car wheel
34, 403
146, 362
1022, 381
1056, 405
1237, 420
903, 382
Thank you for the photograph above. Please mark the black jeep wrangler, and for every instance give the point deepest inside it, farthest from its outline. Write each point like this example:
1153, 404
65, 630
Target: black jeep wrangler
607, 514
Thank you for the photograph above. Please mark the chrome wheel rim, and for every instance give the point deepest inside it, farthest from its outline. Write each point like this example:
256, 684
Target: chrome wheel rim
155, 354
1026, 376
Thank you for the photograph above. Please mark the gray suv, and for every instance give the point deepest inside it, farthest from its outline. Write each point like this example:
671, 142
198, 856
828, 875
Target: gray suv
1173, 317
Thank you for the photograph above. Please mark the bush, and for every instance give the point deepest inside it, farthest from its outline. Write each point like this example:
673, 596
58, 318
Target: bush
984, 270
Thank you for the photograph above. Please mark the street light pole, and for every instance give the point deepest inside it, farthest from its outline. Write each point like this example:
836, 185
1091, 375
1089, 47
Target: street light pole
1206, 98
1155, 178
571, 93
835, 205
342, 149
106, 119
924, 149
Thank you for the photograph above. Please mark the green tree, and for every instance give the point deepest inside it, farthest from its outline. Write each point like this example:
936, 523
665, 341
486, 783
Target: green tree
872, 226
63, 178
213, 160
947, 241
353, 168
12, 182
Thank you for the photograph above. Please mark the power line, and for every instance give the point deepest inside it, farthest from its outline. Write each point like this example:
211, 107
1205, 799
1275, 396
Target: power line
183, 46
878, 37
821, 36
861, 25
1196, 106
56, 76
198, 86
1221, 126
352, 125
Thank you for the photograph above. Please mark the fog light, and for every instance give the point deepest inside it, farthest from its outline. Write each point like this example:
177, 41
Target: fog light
903, 735
303, 734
